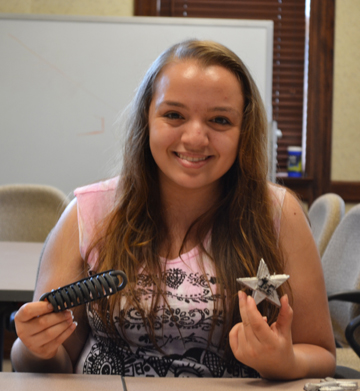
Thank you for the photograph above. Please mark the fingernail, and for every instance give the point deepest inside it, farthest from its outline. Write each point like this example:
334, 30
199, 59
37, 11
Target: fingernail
250, 299
75, 323
69, 312
242, 296
50, 307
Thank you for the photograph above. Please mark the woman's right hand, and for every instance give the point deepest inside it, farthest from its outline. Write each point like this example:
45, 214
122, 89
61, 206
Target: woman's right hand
41, 329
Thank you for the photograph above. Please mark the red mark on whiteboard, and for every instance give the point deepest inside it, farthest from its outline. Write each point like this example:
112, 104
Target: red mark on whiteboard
93, 133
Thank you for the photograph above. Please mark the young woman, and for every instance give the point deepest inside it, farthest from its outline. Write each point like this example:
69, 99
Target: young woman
191, 212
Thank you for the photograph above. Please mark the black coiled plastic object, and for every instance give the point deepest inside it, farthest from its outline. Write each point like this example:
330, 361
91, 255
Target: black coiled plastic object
86, 290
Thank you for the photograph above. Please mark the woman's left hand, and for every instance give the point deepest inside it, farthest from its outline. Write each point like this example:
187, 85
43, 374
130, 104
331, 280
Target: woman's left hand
300, 344
267, 349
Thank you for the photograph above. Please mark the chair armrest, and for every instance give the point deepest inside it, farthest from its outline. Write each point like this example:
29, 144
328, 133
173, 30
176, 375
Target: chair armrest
10, 322
351, 296
349, 334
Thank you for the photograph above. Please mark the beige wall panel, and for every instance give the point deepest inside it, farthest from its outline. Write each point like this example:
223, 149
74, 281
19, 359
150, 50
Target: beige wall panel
346, 103
69, 7
15, 6
348, 206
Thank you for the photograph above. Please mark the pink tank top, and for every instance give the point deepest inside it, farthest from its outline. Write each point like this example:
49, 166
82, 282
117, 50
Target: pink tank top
189, 294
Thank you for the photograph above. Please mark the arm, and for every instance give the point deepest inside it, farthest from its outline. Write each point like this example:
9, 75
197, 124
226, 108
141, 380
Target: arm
48, 341
300, 344
313, 338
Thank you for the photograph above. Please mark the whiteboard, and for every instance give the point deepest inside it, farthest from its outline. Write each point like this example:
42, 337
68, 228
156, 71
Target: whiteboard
64, 80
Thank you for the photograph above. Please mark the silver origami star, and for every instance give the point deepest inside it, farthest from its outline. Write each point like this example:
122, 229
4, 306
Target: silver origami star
264, 285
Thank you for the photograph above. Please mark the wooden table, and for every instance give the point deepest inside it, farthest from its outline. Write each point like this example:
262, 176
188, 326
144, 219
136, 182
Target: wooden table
54, 382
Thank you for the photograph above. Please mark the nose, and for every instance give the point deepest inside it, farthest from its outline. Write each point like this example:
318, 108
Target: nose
195, 135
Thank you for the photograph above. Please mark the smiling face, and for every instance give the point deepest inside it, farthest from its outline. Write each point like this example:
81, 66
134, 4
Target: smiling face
194, 124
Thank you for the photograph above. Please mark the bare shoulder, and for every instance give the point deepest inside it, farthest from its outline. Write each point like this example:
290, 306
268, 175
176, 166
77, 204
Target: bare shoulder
61, 262
292, 207
295, 232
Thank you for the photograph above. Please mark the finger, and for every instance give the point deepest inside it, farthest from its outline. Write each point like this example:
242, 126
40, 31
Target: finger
66, 334
260, 329
32, 310
284, 320
245, 303
41, 323
242, 307
51, 333
49, 349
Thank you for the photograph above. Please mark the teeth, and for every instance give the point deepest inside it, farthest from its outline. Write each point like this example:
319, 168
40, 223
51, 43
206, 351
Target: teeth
191, 159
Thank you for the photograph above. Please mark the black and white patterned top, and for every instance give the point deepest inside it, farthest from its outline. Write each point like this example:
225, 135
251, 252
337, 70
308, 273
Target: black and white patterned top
182, 327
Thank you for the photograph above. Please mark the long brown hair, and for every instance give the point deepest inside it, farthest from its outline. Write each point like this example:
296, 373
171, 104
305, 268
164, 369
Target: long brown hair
241, 222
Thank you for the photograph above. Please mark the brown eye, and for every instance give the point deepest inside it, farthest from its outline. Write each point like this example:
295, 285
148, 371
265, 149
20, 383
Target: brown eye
221, 121
173, 115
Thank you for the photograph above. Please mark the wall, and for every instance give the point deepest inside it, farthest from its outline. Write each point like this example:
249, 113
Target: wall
346, 113
345, 165
69, 7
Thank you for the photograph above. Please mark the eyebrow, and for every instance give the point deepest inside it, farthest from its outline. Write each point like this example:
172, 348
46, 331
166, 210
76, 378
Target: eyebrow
226, 110
172, 103
213, 109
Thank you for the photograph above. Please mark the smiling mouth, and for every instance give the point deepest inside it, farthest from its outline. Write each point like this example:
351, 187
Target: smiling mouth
191, 159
